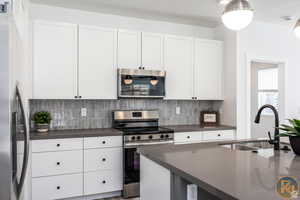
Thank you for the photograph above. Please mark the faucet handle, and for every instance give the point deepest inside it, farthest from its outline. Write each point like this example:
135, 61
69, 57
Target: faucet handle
271, 141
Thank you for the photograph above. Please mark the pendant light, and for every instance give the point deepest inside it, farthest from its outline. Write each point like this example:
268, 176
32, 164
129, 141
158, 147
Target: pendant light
297, 29
237, 15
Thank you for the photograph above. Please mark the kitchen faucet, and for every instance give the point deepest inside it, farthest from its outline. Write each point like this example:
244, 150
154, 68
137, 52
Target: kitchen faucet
276, 140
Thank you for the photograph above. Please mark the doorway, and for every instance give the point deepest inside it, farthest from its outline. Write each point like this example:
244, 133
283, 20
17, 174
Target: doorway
267, 84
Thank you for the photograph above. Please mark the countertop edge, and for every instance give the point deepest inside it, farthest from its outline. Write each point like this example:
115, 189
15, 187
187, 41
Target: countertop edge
205, 186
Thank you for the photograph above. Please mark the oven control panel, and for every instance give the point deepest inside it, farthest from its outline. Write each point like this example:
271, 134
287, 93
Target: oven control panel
149, 137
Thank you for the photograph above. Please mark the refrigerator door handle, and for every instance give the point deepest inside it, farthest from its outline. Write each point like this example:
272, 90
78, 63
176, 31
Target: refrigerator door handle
26, 149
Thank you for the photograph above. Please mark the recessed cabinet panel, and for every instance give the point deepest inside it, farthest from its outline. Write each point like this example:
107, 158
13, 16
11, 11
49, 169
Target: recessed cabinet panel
54, 60
178, 54
102, 182
103, 159
57, 187
129, 49
97, 72
208, 70
152, 51
57, 163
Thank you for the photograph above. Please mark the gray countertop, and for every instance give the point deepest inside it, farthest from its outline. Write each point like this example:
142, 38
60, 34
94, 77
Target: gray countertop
77, 133
226, 173
197, 127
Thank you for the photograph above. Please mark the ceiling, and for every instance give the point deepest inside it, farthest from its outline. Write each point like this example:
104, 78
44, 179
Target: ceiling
199, 12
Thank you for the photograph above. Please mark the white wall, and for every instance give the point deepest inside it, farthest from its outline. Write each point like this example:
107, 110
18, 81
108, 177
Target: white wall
228, 109
45, 12
267, 42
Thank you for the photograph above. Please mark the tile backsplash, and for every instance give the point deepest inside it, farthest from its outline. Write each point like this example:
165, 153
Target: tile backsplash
66, 114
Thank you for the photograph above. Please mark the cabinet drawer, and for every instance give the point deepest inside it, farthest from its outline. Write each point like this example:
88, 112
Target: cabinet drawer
188, 137
103, 142
218, 135
102, 181
57, 145
55, 163
57, 187
103, 159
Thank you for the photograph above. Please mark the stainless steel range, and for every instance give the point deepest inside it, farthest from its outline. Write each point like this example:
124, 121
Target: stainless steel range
140, 128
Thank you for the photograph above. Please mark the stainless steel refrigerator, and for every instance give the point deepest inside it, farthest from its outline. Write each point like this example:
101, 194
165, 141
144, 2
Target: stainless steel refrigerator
13, 122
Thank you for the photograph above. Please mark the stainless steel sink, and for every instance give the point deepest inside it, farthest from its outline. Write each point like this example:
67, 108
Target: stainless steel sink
248, 146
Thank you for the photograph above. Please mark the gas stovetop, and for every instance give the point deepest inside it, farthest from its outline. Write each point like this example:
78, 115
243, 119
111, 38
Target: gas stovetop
145, 130
141, 127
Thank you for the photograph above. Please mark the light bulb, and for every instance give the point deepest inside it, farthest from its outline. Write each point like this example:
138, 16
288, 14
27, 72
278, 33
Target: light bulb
237, 15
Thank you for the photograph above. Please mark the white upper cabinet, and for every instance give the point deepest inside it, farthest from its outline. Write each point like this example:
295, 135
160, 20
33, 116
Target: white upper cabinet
54, 60
208, 70
97, 73
129, 49
178, 58
152, 51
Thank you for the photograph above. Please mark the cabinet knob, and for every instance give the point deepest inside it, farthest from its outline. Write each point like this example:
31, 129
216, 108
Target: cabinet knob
103, 142
76, 97
219, 135
80, 97
188, 137
103, 182
103, 159
58, 187
58, 163
58, 145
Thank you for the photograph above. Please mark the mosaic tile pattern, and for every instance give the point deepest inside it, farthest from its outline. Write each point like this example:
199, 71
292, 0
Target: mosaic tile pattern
66, 114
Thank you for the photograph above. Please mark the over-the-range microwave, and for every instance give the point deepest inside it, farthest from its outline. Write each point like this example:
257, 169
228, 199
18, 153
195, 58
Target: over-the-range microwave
140, 83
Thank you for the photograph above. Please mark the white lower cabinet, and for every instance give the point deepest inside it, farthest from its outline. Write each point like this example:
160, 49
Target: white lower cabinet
218, 135
57, 187
89, 166
102, 181
55, 163
102, 159
203, 136
188, 137
103, 164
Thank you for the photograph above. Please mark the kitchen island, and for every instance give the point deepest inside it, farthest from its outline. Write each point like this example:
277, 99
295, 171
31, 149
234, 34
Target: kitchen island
218, 172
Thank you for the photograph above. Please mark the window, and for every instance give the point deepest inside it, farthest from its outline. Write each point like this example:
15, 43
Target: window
268, 88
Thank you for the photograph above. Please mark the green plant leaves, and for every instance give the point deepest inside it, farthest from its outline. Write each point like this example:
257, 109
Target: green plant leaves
290, 130
42, 117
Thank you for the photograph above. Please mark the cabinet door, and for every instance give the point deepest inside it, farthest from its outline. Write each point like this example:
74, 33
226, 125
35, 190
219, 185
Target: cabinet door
57, 187
97, 72
54, 60
178, 54
129, 49
208, 69
152, 51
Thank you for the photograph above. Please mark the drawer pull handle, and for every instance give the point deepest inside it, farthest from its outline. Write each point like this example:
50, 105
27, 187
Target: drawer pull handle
103, 159
219, 135
103, 142
103, 182
58, 145
58, 187
58, 163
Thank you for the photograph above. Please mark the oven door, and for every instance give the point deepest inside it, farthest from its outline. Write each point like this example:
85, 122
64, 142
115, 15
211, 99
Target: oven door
131, 173
141, 86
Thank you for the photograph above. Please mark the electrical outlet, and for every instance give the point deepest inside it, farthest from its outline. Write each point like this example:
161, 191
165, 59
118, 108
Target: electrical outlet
83, 112
177, 110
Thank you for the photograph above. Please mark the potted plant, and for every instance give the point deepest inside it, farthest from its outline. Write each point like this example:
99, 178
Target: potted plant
42, 120
293, 132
